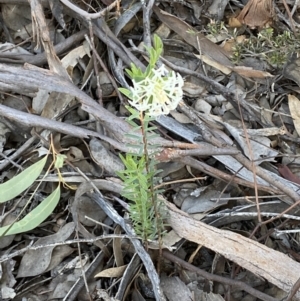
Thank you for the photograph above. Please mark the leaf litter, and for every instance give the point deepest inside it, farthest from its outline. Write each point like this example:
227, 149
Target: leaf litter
229, 152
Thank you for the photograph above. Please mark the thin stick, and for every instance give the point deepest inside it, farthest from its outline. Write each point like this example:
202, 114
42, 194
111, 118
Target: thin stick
88, 15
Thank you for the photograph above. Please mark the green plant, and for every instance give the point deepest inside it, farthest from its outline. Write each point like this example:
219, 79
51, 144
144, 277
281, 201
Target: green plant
155, 91
274, 49
20, 183
140, 177
216, 27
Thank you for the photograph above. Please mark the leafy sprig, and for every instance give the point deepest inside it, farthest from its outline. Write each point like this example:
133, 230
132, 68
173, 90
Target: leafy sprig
155, 91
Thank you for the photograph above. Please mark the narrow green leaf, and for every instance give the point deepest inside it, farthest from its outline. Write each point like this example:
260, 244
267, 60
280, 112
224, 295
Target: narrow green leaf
126, 92
158, 45
22, 181
35, 217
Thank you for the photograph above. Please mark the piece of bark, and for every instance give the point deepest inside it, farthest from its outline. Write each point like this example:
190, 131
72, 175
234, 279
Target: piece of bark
272, 265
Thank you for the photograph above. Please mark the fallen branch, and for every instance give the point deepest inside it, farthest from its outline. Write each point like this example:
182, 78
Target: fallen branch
262, 261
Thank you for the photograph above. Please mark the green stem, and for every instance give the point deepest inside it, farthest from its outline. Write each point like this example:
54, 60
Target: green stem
154, 200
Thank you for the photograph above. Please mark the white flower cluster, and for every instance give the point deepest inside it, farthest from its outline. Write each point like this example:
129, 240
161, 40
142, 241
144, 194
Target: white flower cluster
158, 93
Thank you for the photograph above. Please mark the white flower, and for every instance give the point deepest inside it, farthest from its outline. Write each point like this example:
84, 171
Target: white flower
158, 93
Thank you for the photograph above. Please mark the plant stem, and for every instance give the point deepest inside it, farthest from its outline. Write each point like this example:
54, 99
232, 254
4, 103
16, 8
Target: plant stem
153, 194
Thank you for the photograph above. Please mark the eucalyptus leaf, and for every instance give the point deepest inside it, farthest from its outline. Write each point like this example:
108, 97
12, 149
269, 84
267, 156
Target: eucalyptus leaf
22, 181
35, 217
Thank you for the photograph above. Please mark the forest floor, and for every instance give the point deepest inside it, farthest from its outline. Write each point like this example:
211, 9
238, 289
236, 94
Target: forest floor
226, 163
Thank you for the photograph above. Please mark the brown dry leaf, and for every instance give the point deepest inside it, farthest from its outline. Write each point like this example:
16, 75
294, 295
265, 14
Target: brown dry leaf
229, 45
182, 11
112, 272
234, 22
206, 59
294, 106
72, 58
250, 72
286, 173
163, 31
257, 13
196, 39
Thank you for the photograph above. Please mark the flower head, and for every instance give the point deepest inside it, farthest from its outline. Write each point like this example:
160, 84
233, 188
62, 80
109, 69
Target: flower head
158, 93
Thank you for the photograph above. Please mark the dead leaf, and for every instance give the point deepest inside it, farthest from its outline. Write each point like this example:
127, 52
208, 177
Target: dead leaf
260, 145
58, 255
250, 72
72, 58
286, 173
117, 247
199, 200
113, 272
206, 59
62, 283
294, 106
230, 44
234, 22
257, 13
175, 289
87, 212
36, 262
39, 101
5, 241
196, 39
105, 158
